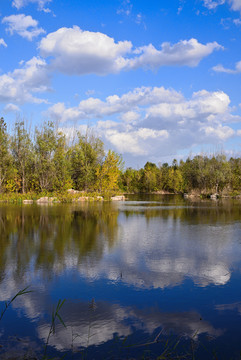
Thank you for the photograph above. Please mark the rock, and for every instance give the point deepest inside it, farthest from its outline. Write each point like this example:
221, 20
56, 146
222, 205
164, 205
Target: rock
27, 201
118, 198
43, 200
46, 200
214, 196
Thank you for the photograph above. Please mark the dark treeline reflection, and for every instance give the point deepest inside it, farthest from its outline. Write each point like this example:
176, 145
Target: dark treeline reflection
192, 211
47, 234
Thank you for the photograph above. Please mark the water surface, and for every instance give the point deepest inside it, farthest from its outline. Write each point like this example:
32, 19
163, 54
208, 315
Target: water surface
152, 267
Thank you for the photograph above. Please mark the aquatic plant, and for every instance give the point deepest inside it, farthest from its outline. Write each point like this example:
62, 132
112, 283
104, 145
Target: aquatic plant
8, 303
55, 316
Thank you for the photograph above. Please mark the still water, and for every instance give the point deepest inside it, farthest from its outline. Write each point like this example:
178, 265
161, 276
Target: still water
151, 276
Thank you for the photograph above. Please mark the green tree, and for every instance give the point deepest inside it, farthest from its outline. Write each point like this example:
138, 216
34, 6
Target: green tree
131, 180
219, 172
5, 157
164, 177
62, 179
149, 177
45, 147
235, 166
85, 157
22, 149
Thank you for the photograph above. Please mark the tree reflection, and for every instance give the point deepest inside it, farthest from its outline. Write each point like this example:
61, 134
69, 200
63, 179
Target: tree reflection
47, 235
151, 244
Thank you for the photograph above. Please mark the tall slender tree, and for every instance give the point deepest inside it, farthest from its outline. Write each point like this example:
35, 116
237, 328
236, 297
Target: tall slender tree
62, 178
5, 156
45, 148
22, 149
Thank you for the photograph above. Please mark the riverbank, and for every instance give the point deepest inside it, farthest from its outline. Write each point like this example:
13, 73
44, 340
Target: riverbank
75, 196
193, 194
70, 196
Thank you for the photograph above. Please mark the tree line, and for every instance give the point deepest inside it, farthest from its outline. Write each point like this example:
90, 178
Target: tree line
201, 175
46, 162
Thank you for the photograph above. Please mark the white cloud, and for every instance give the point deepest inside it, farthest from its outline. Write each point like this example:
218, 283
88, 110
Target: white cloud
235, 4
41, 4
237, 22
154, 121
2, 42
74, 51
139, 18
211, 4
133, 141
11, 108
23, 25
130, 117
19, 85
125, 9
221, 68
185, 52
96, 108
81, 52
203, 103
221, 132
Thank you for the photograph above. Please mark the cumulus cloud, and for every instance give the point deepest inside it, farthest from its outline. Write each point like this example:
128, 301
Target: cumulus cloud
96, 108
154, 121
220, 132
2, 42
18, 86
221, 68
185, 52
202, 104
74, 51
23, 25
22, 3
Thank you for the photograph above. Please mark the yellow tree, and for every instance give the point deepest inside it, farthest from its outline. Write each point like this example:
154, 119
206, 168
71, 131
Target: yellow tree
108, 173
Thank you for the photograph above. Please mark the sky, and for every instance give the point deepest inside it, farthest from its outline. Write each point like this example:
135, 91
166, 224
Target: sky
155, 80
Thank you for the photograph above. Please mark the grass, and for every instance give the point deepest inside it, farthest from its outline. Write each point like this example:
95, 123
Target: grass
55, 316
8, 303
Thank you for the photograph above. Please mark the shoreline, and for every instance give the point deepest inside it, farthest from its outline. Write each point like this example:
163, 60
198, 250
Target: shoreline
80, 197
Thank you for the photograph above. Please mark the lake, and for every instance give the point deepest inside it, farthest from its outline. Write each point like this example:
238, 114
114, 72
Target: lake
154, 275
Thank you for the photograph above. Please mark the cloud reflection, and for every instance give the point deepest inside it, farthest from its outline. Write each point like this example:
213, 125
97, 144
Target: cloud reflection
99, 326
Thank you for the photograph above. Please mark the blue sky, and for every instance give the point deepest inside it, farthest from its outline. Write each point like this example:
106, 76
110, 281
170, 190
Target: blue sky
154, 79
